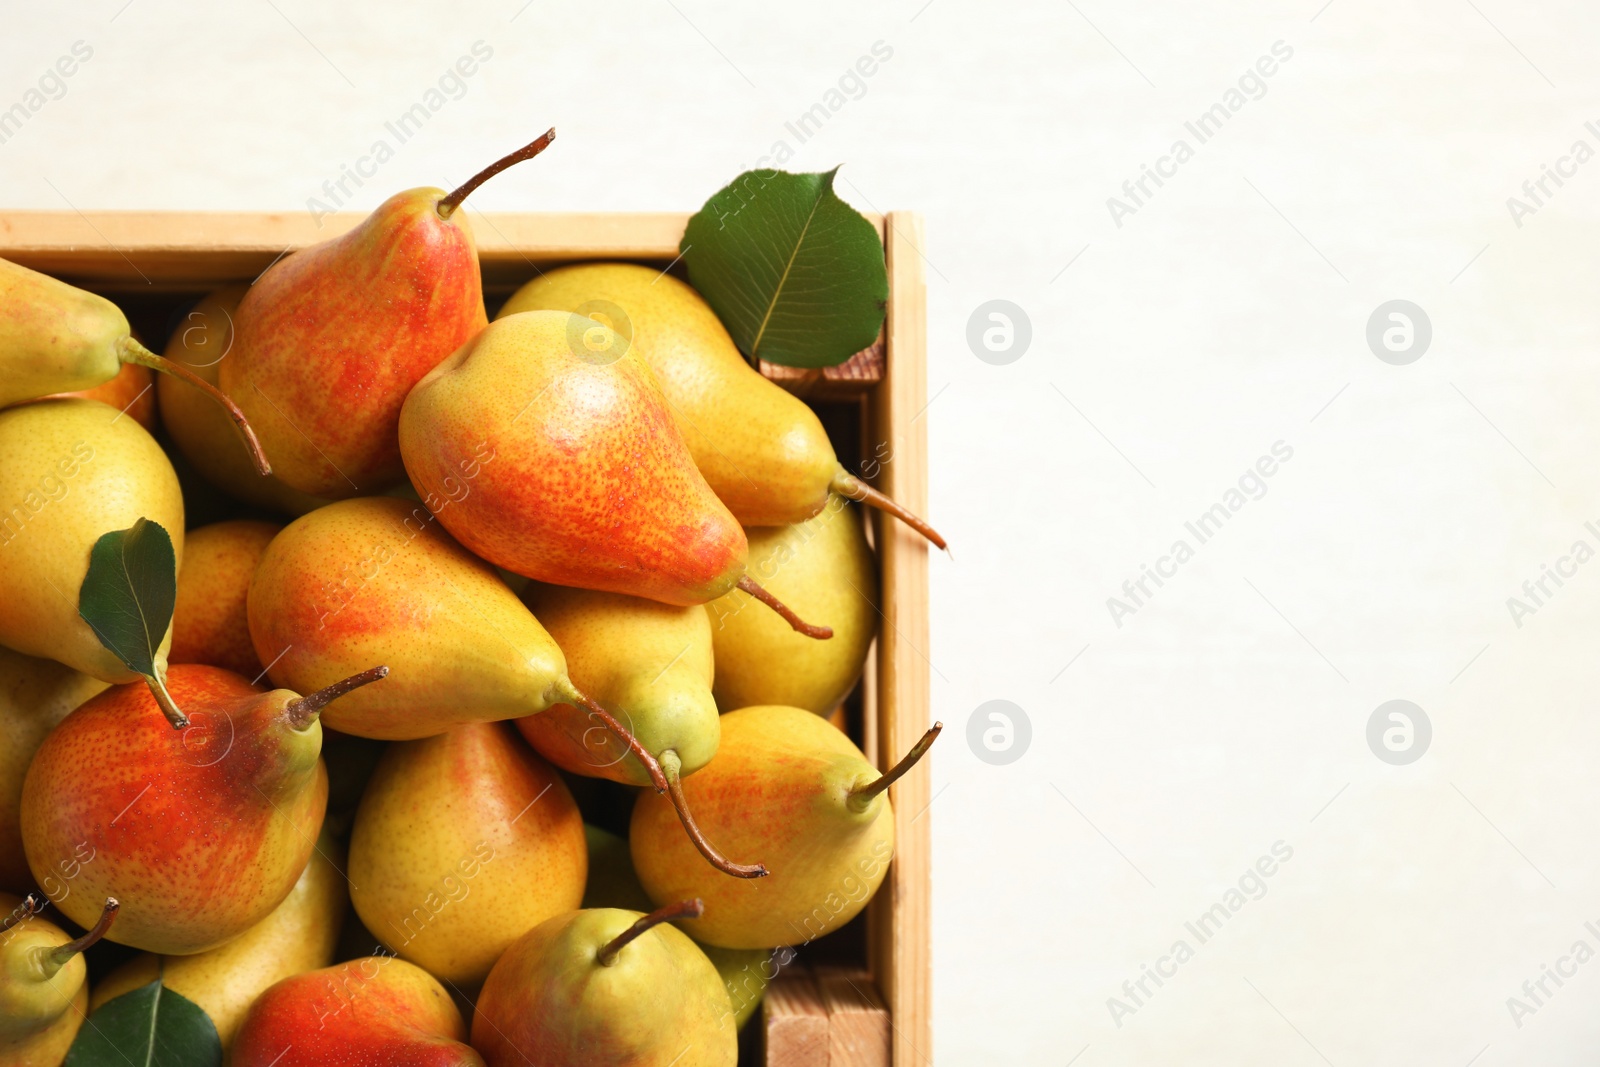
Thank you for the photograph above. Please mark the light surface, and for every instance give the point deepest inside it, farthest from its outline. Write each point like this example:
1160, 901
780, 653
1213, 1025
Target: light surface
1228, 313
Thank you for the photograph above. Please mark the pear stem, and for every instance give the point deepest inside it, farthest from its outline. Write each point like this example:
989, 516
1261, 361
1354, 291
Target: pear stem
683, 909
31, 905
671, 766
57, 958
448, 205
131, 351
821, 633
302, 710
861, 796
846, 484
169, 707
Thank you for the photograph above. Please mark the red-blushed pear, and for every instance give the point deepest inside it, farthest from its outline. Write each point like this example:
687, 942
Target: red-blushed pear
606, 988
789, 787
377, 1011
590, 484
329, 340
43, 991
200, 831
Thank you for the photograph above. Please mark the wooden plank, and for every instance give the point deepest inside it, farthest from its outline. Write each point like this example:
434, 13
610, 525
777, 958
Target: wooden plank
852, 378
858, 1020
901, 958
795, 1021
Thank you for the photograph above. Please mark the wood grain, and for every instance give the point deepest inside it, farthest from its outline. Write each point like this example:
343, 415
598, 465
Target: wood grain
858, 1020
795, 1021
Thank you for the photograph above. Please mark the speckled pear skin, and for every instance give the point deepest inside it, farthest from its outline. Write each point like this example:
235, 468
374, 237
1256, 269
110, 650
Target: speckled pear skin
377, 1011
298, 936
549, 1002
464, 842
73, 471
578, 473
375, 580
54, 337
35, 695
777, 789
208, 620
330, 339
647, 663
822, 568
199, 832
761, 449
39, 1017
132, 392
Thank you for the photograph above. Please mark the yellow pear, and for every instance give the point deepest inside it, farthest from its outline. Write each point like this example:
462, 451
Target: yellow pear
35, 694
209, 624
73, 470
762, 450
42, 983
201, 430
822, 568
463, 842
298, 936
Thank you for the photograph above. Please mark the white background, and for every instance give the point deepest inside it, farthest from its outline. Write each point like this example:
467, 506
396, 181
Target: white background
1227, 314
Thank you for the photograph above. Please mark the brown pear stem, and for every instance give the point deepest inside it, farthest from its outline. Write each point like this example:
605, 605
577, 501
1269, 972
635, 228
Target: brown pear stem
672, 768
448, 205
301, 710
131, 351
861, 796
846, 484
57, 958
683, 909
821, 633
168, 706
31, 905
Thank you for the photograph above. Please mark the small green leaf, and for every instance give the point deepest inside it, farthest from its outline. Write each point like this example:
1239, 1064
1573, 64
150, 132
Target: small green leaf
149, 1027
128, 594
795, 274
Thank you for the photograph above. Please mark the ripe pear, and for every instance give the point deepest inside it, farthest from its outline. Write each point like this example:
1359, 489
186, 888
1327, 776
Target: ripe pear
788, 785
35, 694
332, 338
208, 621
606, 987
464, 842
201, 431
823, 568
133, 392
57, 338
74, 470
298, 936
43, 990
372, 1012
763, 451
200, 832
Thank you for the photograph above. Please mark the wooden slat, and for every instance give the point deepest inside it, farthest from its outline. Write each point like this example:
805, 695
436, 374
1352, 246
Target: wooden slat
795, 1021
853, 377
858, 1020
901, 958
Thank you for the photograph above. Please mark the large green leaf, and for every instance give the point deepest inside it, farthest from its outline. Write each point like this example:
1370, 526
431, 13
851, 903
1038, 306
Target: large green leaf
149, 1027
128, 594
795, 274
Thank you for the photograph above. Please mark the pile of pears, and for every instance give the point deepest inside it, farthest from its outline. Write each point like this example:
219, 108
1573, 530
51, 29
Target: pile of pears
499, 718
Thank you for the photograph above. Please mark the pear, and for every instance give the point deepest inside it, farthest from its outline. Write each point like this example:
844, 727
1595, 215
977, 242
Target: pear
208, 620
562, 464
133, 392
788, 785
201, 831
42, 982
606, 987
201, 342
823, 568
763, 451
464, 842
372, 1012
299, 935
57, 338
332, 338
74, 470
35, 694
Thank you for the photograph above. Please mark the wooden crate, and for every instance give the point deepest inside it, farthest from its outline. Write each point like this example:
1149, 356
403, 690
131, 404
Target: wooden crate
125, 254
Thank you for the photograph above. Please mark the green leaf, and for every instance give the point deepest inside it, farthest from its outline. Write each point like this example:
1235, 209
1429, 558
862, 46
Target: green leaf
149, 1027
795, 274
128, 594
